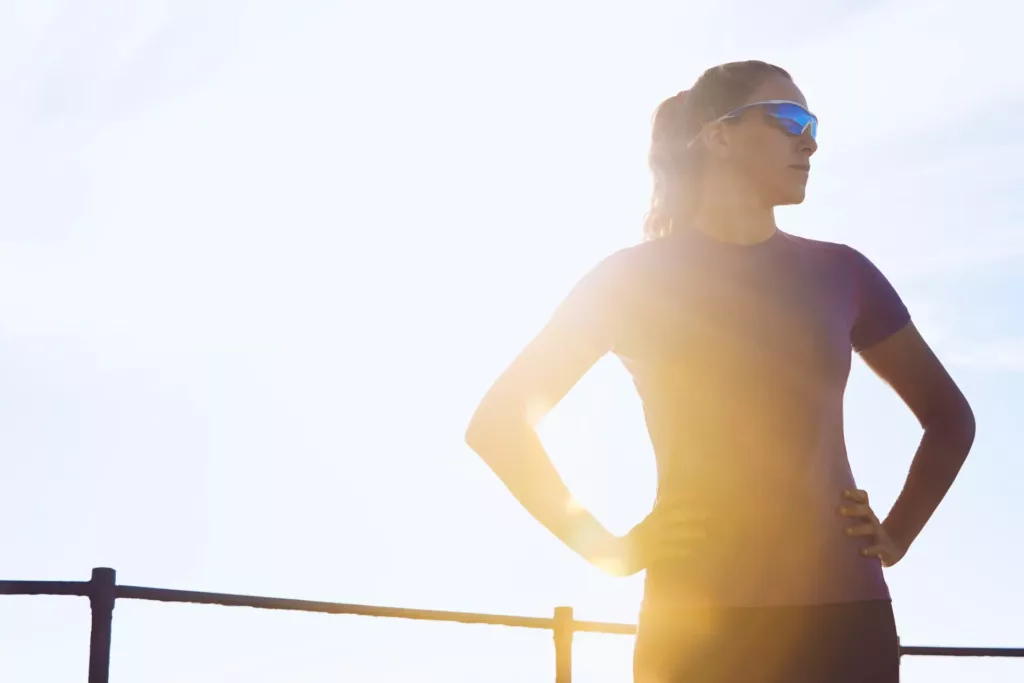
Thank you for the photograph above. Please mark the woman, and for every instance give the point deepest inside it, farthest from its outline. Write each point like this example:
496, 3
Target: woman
764, 562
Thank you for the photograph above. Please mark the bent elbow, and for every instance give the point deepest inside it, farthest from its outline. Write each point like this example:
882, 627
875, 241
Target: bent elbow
962, 420
475, 436
957, 423
970, 425
482, 428
492, 424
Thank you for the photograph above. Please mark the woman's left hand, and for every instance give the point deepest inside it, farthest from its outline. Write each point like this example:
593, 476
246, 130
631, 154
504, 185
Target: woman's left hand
884, 548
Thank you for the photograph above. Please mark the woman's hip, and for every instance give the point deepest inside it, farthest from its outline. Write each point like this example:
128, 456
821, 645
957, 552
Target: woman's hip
853, 642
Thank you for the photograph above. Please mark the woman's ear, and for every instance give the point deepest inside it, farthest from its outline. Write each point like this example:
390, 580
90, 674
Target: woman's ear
717, 139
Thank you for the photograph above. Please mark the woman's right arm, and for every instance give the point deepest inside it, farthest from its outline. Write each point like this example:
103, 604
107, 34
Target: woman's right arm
503, 428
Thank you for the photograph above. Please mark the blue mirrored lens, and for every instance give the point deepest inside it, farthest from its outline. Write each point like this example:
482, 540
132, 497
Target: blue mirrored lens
794, 118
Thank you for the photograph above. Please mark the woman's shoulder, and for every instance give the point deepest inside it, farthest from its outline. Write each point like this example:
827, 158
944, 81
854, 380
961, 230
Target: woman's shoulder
849, 260
843, 254
823, 246
631, 261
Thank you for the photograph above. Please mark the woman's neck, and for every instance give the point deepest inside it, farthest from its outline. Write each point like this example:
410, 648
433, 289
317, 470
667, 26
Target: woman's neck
733, 217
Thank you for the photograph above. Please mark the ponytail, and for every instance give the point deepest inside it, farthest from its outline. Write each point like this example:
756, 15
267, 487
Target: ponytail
670, 196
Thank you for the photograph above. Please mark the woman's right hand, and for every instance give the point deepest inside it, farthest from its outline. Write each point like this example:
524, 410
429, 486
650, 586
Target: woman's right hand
667, 534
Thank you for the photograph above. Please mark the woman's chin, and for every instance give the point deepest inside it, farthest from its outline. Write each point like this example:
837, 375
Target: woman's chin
793, 195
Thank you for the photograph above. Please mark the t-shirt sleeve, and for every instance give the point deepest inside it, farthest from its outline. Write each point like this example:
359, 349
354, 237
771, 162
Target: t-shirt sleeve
880, 312
594, 309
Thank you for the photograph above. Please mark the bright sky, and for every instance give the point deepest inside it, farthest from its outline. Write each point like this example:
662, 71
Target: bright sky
258, 262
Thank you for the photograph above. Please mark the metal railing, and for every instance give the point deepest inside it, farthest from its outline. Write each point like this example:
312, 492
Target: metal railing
103, 591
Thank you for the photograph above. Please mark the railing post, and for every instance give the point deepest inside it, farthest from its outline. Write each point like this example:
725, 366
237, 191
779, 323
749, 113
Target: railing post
565, 625
102, 593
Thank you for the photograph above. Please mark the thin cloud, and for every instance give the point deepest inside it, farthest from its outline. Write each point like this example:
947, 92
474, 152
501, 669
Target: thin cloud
907, 67
1003, 355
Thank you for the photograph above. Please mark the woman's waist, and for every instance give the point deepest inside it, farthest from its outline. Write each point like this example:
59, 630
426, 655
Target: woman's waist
732, 472
743, 564
759, 502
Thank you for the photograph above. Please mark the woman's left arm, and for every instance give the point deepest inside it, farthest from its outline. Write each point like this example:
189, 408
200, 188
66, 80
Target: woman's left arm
905, 362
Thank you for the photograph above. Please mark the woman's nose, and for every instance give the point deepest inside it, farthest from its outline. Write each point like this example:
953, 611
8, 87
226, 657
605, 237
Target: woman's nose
807, 142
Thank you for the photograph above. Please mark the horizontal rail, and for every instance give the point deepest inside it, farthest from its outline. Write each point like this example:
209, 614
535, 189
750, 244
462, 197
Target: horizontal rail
85, 588
604, 627
259, 602
78, 588
914, 650
290, 604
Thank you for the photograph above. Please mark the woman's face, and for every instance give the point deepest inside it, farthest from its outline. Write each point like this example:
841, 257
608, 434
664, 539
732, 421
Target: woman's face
772, 162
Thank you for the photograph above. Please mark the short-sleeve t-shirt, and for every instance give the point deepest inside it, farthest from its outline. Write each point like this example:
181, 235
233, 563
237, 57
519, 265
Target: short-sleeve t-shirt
740, 355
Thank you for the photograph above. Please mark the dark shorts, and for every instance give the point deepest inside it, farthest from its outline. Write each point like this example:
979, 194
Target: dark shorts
842, 643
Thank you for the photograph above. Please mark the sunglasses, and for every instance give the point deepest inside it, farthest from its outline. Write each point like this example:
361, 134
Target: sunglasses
789, 116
